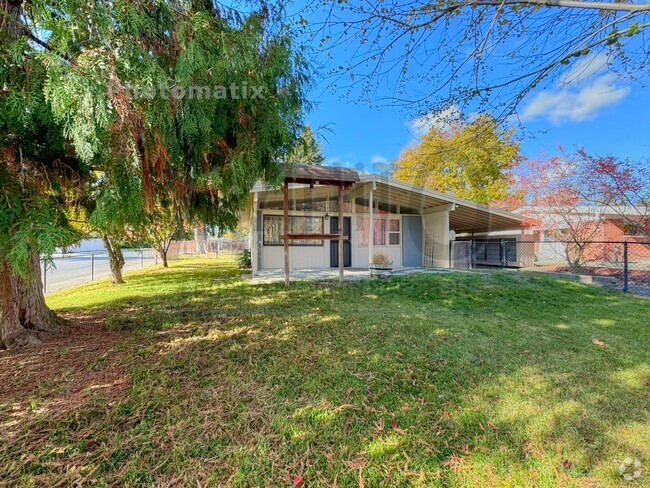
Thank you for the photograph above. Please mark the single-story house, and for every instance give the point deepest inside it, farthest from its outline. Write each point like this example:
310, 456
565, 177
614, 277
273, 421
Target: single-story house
413, 226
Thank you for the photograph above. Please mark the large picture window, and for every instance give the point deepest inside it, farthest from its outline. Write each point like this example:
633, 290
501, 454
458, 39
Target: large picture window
274, 230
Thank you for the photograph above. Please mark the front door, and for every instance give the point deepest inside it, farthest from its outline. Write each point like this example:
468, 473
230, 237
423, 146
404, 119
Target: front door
411, 240
347, 244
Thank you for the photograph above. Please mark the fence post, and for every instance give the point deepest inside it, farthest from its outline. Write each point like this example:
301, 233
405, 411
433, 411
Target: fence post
92, 267
472, 253
625, 268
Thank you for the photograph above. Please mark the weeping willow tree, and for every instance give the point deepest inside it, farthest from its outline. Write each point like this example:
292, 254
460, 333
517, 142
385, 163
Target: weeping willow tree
195, 102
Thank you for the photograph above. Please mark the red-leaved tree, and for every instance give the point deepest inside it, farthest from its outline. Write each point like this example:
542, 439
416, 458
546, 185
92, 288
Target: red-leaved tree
555, 204
621, 186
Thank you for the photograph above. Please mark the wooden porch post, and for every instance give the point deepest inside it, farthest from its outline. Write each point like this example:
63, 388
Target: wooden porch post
285, 191
341, 257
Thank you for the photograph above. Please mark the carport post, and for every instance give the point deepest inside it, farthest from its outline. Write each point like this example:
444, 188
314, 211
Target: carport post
472, 253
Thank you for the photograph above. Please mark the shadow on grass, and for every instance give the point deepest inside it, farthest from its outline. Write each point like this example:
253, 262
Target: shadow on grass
452, 379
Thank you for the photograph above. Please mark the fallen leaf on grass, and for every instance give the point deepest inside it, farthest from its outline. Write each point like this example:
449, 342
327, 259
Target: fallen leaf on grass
297, 480
566, 464
355, 464
598, 342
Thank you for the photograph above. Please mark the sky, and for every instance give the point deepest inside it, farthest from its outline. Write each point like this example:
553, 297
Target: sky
587, 107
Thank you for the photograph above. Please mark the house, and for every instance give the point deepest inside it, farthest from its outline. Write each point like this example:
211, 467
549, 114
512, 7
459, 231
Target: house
413, 226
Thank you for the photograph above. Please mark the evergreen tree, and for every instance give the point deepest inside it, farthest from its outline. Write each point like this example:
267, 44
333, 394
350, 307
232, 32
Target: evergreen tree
108, 77
307, 149
38, 174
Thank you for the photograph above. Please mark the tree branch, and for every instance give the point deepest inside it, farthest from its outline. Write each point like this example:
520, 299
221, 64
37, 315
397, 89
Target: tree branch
608, 6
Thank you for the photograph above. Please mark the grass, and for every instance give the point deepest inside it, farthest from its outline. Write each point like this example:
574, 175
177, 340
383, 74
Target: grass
454, 379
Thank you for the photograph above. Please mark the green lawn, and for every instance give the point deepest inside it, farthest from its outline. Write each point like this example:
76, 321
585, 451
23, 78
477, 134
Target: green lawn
190, 376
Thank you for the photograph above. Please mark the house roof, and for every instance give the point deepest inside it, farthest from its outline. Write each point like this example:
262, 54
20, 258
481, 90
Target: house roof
323, 175
602, 211
465, 216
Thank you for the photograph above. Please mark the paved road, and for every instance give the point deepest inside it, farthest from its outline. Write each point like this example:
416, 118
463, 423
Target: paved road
76, 269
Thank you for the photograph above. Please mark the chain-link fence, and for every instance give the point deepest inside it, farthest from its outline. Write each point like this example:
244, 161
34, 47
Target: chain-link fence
70, 269
216, 247
65, 270
625, 265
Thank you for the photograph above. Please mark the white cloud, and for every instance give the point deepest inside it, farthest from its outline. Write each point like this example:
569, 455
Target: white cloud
380, 164
585, 68
579, 95
343, 163
441, 120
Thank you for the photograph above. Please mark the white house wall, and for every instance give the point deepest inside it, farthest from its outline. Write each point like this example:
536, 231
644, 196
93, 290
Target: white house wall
436, 225
319, 256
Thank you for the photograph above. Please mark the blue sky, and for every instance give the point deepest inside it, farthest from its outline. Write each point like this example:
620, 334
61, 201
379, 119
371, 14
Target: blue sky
588, 107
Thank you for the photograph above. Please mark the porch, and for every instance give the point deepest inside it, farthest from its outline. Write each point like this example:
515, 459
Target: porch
323, 274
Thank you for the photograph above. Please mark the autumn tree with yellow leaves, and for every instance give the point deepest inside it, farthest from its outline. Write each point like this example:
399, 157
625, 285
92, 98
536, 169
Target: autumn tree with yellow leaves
470, 160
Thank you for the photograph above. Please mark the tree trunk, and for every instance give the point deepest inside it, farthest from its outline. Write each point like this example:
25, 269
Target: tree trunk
10, 20
12, 333
115, 259
574, 257
33, 313
200, 238
163, 255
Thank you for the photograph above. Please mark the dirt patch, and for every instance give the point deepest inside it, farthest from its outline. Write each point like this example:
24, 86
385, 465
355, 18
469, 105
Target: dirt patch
80, 362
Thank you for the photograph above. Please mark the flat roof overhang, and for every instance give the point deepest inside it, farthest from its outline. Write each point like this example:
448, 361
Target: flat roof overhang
466, 216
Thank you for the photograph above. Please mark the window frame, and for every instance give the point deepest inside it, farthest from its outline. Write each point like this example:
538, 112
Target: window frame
632, 229
398, 231
292, 243
387, 232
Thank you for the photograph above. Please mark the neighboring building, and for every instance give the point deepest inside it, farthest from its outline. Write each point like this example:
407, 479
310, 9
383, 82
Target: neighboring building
604, 227
410, 224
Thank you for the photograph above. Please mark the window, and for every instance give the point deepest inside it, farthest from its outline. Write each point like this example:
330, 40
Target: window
393, 232
274, 230
306, 225
381, 226
632, 229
